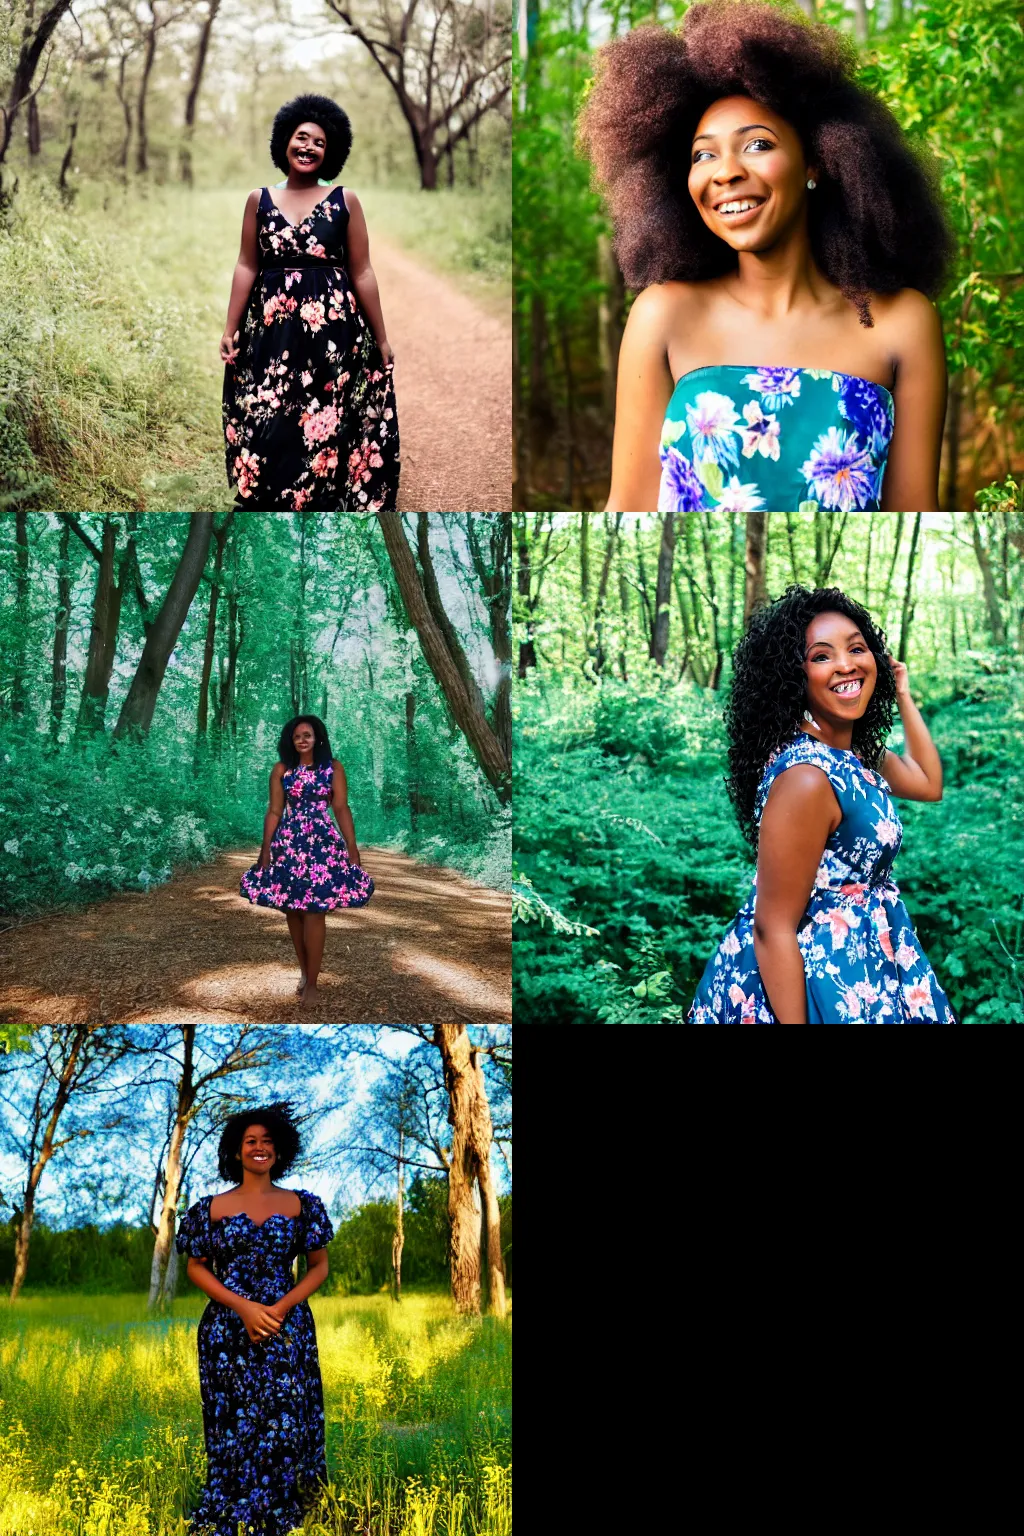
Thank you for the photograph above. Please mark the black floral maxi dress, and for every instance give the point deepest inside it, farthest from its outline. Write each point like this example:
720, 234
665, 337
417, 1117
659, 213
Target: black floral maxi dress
309, 404
263, 1406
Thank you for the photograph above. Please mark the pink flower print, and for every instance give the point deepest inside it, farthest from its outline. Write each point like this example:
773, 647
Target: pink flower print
884, 933
906, 956
247, 469
919, 998
358, 461
325, 462
291, 277
230, 433
312, 313
852, 1002
838, 925
352, 302
307, 379
300, 498
865, 990
887, 831
853, 890
761, 434
376, 462
731, 943
314, 247
318, 426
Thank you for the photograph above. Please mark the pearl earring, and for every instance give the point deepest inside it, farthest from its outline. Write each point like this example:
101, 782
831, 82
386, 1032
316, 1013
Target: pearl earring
811, 720
811, 184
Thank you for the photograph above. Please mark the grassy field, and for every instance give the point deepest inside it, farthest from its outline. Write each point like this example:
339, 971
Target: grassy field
110, 380
101, 1427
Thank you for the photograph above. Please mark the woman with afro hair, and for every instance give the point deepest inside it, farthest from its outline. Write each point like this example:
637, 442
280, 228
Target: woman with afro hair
823, 937
783, 352
309, 401
259, 1371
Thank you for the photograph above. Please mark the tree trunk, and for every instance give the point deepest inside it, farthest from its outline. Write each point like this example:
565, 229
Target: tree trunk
106, 618
892, 565
907, 614
469, 1163
34, 137
65, 164
191, 101
161, 1278
611, 539
398, 1240
527, 649
219, 539
59, 671
992, 609
142, 135
410, 756
33, 45
122, 96
663, 590
755, 591
137, 711
75, 1037
585, 559
466, 705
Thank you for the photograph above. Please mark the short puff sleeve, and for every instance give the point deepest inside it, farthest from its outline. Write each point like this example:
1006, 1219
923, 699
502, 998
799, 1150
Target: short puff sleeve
193, 1234
315, 1230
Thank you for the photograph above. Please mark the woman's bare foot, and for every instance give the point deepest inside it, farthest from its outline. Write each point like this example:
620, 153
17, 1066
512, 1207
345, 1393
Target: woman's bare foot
302, 984
309, 994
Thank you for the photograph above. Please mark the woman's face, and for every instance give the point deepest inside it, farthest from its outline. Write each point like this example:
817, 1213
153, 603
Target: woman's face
744, 154
306, 149
258, 1155
840, 668
303, 738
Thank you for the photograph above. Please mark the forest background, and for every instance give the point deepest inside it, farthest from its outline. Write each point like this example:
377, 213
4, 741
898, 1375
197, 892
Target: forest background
952, 71
130, 134
108, 1134
628, 861
149, 661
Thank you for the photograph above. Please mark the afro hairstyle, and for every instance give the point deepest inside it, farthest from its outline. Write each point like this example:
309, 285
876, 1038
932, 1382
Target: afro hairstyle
321, 742
279, 1121
769, 690
875, 220
328, 116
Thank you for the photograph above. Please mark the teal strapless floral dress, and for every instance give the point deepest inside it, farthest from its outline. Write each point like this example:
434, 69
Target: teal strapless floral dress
744, 439
863, 962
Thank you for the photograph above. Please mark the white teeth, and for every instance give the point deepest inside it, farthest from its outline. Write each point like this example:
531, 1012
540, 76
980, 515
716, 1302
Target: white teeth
854, 686
736, 207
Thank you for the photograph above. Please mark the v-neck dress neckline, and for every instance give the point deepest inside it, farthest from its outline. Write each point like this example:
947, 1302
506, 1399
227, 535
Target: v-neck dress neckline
326, 198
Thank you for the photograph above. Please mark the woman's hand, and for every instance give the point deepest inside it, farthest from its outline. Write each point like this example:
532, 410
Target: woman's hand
387, 352
261, 1322
902, 677
228, 347
265, 859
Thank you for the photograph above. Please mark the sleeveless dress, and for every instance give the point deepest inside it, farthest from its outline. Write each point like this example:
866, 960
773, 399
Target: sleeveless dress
747, 439
263, 1404
863, 963
310, 870
309, 403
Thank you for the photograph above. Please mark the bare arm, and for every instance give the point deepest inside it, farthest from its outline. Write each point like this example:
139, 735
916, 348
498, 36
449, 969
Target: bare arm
916, 773
342, 814
246, 268
259, 1320
911, 481
642, 394
316, 1274
274, 813
364, 279
800, 815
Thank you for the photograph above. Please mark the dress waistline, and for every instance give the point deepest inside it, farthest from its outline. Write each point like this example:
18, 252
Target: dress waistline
302, 263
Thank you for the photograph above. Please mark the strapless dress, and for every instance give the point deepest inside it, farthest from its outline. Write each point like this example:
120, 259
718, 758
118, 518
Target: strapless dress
744, 439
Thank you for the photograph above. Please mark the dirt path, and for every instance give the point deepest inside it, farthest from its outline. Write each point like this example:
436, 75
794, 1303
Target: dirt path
453, 382
429, 947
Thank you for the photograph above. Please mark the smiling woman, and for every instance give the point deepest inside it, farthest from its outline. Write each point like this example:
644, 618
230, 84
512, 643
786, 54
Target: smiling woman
784, 352
824, 936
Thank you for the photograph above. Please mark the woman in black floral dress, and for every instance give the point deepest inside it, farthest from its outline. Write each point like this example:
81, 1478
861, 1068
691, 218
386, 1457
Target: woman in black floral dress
309, 401
259, 1372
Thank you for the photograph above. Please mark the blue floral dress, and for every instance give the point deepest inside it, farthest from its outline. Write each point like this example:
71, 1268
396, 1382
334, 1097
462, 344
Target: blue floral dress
744, 439
310, 870
263, 1405
862, 960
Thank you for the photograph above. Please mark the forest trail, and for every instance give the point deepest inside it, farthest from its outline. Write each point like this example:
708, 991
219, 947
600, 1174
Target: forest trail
453, 384
429, 947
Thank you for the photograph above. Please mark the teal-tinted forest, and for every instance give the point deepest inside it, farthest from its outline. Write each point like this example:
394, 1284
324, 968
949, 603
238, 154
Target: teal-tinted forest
949, 69
150, 662
628, 857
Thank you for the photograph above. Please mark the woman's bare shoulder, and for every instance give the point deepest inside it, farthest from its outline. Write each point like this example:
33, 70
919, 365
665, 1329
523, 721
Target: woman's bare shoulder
277, 771
907, 317
667, 301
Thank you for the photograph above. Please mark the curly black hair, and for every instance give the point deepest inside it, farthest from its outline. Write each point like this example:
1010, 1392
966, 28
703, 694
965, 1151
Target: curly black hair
321, 743
328, 116
279, 1121
769, 690
875, 220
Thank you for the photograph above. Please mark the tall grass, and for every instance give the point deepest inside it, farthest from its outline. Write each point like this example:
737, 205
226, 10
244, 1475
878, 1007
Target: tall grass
101, 1427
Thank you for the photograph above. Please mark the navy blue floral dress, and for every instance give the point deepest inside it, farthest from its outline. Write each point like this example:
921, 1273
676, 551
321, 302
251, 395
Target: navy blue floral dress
263, 1405
862, 960
310, 870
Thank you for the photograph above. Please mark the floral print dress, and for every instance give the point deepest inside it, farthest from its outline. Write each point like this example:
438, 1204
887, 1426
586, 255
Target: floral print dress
263, 1405
310, 870
309, 404
862, 960
744, 439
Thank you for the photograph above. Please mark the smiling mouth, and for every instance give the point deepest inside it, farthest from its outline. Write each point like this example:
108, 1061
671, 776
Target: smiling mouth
304, 155
850, 688
260, 1157
739, 209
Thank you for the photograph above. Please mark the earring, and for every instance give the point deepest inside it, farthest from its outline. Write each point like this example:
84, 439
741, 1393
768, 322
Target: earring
811, 720
811, 184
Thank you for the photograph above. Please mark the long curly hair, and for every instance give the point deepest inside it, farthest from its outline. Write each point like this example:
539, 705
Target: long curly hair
769, 690
328, 116
321, 742
279, 1120
875, 220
